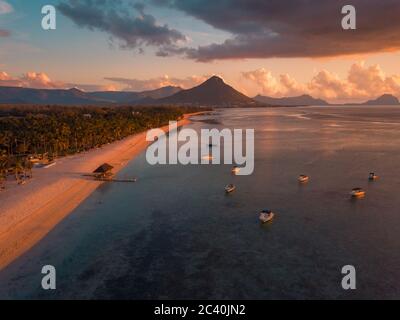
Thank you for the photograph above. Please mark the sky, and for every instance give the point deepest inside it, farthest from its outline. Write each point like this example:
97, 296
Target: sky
269, 47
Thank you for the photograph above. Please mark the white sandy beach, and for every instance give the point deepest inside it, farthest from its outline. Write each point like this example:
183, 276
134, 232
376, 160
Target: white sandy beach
29, 212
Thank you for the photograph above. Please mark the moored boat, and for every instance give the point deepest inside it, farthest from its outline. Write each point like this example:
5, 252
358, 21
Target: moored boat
303, 178
373, 176
357, 193
230, 188
266, 216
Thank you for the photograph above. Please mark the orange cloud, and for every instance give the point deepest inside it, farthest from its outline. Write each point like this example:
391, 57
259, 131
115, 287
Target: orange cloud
285, 85
362, 82
5, 7
4, 76
155, 83
37, 80
40, 80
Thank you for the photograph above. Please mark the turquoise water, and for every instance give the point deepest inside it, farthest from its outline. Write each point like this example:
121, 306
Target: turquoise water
175, 234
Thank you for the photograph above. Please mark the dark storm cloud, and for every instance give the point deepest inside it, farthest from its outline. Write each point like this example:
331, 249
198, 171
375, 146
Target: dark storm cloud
116, 18
291, 28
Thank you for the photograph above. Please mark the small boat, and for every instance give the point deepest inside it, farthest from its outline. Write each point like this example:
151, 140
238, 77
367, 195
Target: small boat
230, 188
235, 170
357, 193
266, 216
303, 178
373, 177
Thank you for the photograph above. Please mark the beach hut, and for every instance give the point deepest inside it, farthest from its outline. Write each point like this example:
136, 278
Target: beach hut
105, 170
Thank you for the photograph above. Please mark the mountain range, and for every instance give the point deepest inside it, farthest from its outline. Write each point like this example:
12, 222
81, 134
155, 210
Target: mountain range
213, 92
17, 95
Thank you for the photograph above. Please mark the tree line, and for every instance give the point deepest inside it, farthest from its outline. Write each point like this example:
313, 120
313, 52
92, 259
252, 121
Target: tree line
46, 132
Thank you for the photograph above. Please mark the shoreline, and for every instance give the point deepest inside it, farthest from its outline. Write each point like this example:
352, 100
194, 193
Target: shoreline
28, 213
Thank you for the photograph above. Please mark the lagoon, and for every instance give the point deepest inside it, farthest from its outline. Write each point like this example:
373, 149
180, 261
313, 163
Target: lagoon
175, 234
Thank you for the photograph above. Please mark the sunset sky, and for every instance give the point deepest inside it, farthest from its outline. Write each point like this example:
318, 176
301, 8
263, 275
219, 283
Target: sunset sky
269, 47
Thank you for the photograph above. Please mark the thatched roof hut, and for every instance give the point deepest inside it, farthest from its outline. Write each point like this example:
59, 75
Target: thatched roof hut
104, 169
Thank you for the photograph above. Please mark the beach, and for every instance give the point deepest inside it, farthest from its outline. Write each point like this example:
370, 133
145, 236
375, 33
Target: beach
29, 212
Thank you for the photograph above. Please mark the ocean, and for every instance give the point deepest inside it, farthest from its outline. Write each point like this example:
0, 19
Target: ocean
175, 234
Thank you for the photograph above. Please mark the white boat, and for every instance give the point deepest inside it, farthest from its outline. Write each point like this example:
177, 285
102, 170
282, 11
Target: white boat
266, 216
235, 170
230, 188
373, 177
303, 178
357, 193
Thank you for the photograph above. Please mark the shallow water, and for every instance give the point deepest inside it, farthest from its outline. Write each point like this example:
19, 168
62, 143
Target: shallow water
175, 234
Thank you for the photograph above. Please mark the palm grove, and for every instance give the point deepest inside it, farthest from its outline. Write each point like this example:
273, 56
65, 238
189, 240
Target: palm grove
46, 132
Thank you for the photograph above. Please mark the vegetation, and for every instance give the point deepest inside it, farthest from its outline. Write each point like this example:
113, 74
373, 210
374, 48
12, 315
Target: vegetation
29, 133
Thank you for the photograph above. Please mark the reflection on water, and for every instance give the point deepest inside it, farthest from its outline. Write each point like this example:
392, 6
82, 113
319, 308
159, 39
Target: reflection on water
176, 234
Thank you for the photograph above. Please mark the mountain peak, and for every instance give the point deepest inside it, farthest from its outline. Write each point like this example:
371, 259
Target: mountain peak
75, 90
213, 91
215, 79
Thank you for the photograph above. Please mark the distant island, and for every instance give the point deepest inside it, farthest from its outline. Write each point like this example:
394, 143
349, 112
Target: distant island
386, 99
214, 92
303, 100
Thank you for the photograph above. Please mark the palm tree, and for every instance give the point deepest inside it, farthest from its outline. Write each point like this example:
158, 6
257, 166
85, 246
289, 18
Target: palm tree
18, 168
28, 166
3, 168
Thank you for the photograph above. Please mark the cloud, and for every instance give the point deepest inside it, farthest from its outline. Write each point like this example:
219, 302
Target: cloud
155, 83
292, 28
4, 76
329, 86
285, 85
92, 87
5, 7
4, 33
362, 82
37, 80
264, 79
40, 80
114, 18
372, 79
